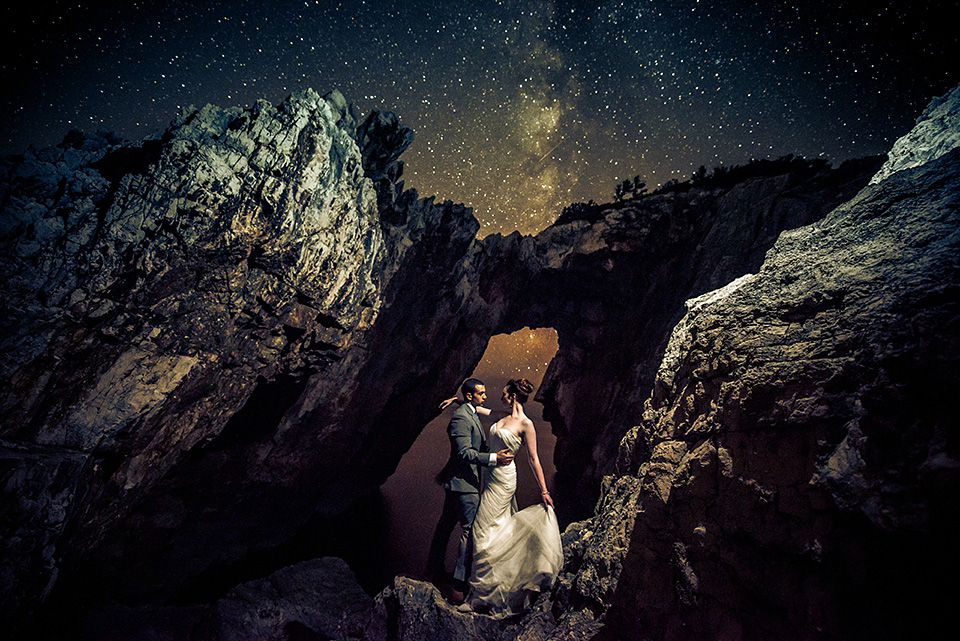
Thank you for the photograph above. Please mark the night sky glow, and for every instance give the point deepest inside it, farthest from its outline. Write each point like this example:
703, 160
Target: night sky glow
519, 107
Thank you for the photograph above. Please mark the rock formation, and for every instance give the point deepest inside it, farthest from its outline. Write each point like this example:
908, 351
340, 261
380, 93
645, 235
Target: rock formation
193, 344
796, 469
614, 287
216, 342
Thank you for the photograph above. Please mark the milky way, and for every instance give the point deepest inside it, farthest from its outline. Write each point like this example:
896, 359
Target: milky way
519, 108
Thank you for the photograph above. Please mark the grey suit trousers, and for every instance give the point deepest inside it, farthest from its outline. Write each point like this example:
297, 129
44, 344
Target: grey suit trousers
457, 507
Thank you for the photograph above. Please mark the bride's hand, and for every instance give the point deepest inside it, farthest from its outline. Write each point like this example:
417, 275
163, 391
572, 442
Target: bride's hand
545, 497
444, 404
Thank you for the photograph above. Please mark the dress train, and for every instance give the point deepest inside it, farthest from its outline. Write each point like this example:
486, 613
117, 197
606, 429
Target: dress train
517, 555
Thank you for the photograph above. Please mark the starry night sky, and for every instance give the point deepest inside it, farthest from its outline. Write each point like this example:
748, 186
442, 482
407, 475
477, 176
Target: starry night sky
519, 108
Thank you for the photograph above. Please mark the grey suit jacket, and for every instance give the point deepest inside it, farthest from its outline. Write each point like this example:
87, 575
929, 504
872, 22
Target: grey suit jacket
468, 451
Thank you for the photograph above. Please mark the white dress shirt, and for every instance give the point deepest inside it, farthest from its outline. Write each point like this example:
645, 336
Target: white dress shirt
493, 455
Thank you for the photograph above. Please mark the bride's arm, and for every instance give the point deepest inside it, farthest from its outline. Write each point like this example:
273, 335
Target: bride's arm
447, 402
531, 438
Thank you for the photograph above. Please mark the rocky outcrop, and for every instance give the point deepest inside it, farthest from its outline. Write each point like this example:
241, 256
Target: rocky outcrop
186, 324
613, 288
410, 609
215, 342
937, 131
314, 599
795, 472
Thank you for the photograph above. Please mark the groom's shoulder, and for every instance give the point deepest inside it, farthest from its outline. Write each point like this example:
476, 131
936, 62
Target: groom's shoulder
461, 412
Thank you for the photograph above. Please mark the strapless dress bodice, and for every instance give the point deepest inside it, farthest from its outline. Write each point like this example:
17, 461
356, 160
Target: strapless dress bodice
504, 439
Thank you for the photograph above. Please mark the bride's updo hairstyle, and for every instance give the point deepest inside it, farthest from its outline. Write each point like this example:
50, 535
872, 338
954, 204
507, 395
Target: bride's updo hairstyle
521, 388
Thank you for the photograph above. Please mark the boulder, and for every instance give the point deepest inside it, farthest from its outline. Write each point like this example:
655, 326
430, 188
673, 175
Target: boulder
317, 599
308, 601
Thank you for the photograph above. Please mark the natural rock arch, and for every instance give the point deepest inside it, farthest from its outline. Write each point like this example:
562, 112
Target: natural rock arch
205, 381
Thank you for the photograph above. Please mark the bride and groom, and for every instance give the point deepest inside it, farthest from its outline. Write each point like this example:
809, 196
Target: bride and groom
505, 558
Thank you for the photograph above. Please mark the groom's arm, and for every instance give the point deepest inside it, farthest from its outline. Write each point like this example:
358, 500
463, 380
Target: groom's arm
460, 431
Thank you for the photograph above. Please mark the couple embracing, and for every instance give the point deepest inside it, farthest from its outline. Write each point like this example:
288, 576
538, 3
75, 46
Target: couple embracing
505, 557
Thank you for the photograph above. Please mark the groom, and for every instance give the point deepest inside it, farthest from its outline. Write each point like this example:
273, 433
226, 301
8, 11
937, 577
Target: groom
461, 482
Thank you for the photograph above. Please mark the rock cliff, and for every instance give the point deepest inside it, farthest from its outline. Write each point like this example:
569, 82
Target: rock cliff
217, 341
614, 286
795, 470
186, 324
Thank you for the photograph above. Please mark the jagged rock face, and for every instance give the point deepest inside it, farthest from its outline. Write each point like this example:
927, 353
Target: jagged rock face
796, 470
411, 609
186, 324
614, 288
937, 131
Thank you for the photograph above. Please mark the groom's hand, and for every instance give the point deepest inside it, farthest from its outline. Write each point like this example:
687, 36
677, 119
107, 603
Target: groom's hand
504, 457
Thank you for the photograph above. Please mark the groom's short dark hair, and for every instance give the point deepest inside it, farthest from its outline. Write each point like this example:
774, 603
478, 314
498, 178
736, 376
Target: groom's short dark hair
470, 386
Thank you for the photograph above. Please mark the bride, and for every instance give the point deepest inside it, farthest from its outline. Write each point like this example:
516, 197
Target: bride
517, 555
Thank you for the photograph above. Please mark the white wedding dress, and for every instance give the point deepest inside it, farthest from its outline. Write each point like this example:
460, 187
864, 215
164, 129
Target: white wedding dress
517, 555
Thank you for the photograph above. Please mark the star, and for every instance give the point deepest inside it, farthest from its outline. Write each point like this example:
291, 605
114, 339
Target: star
519, 107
